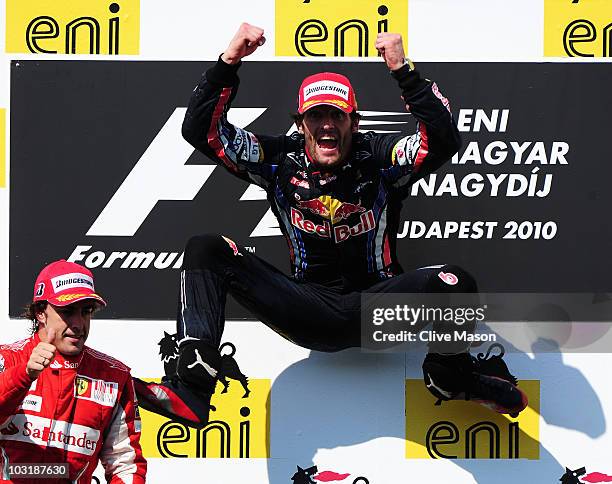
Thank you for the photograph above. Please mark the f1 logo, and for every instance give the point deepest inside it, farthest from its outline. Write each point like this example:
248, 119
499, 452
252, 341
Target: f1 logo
160, 174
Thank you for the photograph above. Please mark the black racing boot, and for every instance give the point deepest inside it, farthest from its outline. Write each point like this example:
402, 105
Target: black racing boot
199, 365
185, 395
484, 379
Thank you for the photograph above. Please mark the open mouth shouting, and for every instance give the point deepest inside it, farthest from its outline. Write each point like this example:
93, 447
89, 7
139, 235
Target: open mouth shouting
328, 134
327, 143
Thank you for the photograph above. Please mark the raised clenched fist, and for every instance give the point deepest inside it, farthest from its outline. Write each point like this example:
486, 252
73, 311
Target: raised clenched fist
246, 41
391, 49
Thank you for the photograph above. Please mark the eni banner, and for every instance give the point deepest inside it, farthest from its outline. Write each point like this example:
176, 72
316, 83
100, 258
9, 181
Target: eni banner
74, 27
238, 428
343, 28
462, 430
577, 28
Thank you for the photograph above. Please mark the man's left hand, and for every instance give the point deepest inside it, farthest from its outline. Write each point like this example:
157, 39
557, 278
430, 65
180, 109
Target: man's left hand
391, 48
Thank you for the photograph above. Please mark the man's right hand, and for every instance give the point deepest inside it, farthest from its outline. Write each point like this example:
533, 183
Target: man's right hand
245, 42
41, 356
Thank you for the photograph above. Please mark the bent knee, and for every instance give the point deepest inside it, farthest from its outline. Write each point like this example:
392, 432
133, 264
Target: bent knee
452, 278
206, 249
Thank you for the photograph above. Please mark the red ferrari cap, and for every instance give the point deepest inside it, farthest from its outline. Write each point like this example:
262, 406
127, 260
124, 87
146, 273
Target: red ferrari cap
327, 88
62, 283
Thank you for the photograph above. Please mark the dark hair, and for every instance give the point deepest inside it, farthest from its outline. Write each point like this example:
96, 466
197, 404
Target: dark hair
29, 312
297, 117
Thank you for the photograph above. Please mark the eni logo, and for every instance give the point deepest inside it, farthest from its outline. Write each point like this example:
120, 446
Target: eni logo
466, 430
349, 29
574, 28
81, 386
76, 27
238, 428
218, 433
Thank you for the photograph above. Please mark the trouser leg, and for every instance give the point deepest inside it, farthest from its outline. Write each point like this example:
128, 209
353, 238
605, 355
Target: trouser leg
310, 315
441, 282
449, 371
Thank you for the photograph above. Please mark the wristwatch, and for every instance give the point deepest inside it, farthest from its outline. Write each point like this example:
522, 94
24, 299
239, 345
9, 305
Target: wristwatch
409, 63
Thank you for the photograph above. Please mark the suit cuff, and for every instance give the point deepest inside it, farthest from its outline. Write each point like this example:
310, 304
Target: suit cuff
223, 74
409, 80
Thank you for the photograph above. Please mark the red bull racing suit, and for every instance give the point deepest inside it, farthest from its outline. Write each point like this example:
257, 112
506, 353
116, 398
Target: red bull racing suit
340, 229
80, 410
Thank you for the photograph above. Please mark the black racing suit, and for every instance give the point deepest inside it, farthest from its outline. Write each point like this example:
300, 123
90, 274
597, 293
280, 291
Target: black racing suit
341, 230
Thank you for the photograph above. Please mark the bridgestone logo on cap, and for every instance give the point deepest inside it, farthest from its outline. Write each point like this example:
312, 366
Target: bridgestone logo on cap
326, 87
70, 281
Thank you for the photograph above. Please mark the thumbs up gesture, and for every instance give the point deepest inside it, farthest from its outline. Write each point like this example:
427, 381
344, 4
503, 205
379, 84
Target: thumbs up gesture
42, 355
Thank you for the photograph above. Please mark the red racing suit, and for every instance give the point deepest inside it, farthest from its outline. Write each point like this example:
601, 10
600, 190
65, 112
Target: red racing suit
80, 410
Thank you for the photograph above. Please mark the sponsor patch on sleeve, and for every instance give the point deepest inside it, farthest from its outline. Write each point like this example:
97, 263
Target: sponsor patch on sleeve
137, 421
398, 156
440, 96
406, 150
16, 346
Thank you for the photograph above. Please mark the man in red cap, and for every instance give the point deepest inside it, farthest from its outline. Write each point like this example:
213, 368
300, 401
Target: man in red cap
62, 403
337, 194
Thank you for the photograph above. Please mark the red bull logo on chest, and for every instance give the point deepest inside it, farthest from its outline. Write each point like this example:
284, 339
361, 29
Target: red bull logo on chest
330, 208
366, 223
340, 233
